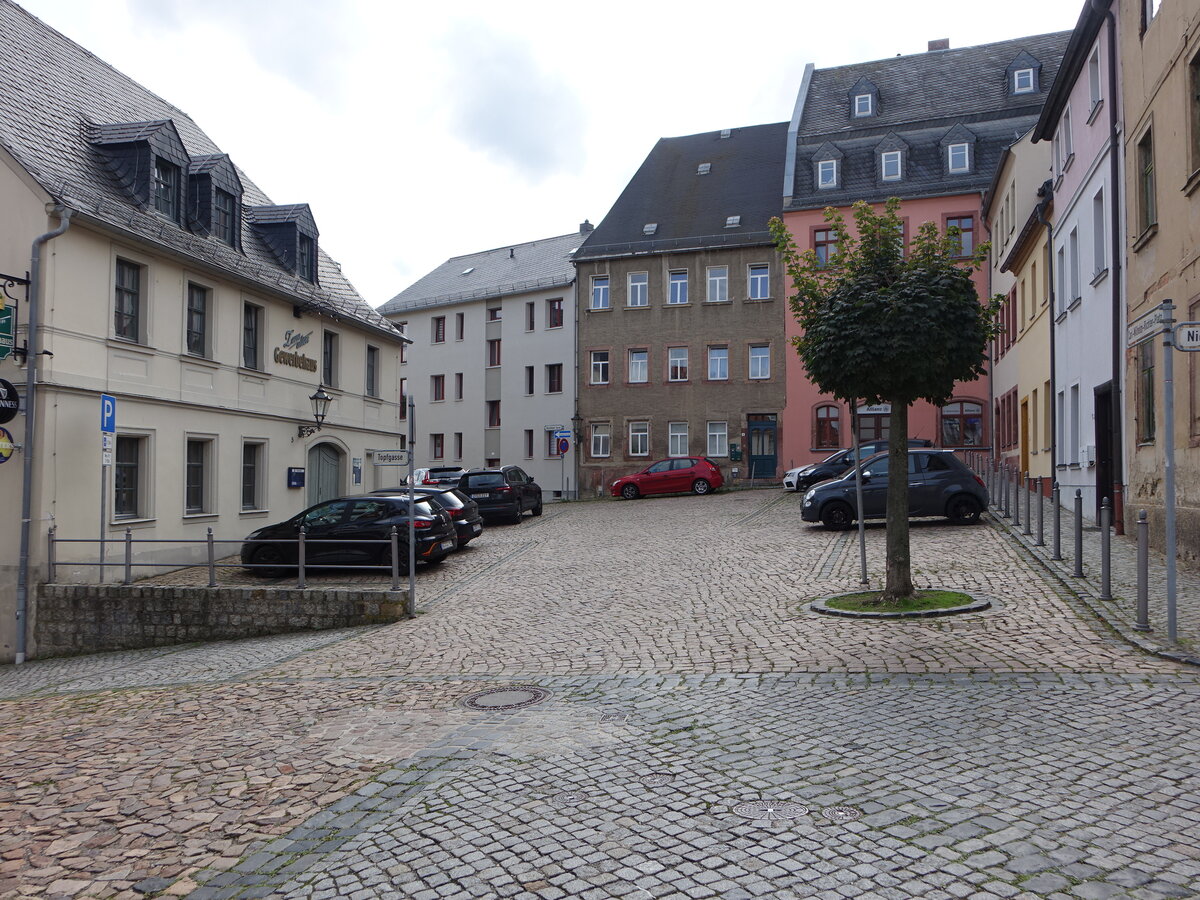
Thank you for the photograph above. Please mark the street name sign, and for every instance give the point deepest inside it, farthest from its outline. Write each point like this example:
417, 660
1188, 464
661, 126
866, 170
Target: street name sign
1187, 336
1147, 326
391, 457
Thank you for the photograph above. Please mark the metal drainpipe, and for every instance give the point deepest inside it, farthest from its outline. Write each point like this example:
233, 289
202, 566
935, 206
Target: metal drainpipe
1117, 414
30, 443
1051, 300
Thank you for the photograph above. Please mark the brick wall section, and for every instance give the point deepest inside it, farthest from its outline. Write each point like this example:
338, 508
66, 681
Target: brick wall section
90, 618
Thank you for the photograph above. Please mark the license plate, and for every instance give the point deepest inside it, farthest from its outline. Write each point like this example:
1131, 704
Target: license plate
481, 496
477, 528
446, 545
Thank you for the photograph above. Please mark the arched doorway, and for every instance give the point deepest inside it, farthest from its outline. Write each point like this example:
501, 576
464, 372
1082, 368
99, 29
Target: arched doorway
326, 464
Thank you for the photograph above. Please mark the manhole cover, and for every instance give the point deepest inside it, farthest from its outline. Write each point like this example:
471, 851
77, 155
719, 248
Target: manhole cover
841, 813
514, 697
614, 718
771, 810
657, 779
568, 798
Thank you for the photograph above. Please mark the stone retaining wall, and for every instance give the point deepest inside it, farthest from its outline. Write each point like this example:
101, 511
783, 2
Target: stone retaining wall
91, 618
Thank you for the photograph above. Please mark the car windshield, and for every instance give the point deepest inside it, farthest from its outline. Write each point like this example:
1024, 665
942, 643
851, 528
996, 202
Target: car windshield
485, 479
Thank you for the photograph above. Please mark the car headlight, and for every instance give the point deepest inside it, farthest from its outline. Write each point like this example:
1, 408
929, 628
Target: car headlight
808, 497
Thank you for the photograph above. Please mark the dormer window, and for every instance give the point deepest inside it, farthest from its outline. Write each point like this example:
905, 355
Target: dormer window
306, 262
827, 174
958, 158
733, 221
166, 188
225, 217
1023, 81
890, 165
650, 228
862, 105
703, 168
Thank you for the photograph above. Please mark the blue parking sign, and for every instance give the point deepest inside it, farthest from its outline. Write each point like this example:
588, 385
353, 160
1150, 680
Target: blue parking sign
108, 414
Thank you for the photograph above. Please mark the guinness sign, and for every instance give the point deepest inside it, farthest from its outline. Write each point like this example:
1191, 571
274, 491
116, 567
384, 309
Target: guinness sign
10, 402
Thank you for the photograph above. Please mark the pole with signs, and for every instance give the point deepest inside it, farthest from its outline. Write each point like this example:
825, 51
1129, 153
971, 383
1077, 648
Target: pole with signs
108, 427
412, 513
1169, 464
862, 525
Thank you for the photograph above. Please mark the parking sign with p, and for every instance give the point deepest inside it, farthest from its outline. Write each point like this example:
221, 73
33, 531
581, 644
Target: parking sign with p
108, 414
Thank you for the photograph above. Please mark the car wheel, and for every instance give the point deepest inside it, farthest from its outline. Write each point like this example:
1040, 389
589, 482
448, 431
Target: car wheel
630, 492
537, 510
700, 486
515, 515
385, 559
963, 510
837, 516
266, 559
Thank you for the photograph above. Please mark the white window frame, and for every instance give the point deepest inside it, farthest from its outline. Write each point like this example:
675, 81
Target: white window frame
1099, 235
601, 440
601, 298
1095, 83
600, 366
718, 360
964, 149
759, 362
718, 439
861, 109
893, 159
1023, 81
677, 364
677, 439
143, 490
639, 367
1073, 243
639, 438
371, 372
758, 281
260, 467
678, 293
827, 174
718, 284
639, 289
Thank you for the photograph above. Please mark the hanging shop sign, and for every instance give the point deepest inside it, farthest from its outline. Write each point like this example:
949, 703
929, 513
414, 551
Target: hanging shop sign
10, 402
288, 353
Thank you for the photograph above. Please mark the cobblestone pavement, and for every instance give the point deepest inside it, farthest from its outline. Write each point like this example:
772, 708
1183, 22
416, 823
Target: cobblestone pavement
700, 733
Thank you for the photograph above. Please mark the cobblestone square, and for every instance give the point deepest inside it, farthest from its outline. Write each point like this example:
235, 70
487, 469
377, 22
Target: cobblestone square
697, 732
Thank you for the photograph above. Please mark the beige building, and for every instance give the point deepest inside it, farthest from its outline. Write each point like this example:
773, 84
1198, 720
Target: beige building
1017, 204
1160, 62
491, 369
208, 315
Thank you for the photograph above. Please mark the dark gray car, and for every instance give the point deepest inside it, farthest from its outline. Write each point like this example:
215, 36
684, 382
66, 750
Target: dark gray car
939, 484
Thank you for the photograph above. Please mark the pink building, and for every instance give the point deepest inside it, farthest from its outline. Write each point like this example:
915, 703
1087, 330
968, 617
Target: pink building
929, 129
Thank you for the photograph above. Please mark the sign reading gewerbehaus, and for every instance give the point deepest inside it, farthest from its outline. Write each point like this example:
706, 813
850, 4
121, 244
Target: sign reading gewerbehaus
287, 354
10, 402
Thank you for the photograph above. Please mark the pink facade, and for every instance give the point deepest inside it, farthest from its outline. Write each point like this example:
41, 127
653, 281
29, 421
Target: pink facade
807, 432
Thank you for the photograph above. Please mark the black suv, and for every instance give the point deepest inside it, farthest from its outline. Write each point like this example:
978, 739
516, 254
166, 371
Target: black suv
505, 492
835, 465
351, 531
939, 484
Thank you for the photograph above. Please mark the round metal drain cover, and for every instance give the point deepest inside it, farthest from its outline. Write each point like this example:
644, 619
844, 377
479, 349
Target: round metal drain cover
568, 798
841, 813
771, 810
514, 697
657, 779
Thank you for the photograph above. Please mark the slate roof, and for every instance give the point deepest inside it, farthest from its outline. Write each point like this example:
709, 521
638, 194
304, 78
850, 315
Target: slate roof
690, 210
922, 98
58, 97
513, 269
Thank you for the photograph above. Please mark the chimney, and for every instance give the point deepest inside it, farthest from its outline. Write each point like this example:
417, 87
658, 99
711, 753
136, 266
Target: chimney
939, 44
586, 227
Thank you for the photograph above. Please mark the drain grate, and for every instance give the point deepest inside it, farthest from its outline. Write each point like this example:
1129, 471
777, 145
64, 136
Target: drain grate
841, 814
770, 810
568, 798
657, 779
513, 697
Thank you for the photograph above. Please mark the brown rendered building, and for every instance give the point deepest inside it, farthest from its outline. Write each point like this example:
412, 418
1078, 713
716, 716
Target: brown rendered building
682, 300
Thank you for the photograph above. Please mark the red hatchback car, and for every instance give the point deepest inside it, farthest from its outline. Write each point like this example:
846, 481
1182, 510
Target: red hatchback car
671, 476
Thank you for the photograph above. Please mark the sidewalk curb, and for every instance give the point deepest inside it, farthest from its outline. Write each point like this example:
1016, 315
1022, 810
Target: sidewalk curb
1089, 597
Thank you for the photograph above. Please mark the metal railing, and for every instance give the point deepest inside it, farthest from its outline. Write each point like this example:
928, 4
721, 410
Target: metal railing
301, 563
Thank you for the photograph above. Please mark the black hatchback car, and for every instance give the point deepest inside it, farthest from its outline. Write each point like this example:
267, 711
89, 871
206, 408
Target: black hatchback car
939, 484
351, 531
462, 509
505, 492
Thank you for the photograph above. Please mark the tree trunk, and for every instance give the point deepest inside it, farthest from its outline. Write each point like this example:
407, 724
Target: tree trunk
899, 561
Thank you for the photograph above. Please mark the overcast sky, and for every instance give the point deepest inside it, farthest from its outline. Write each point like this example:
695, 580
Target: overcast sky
418, 132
